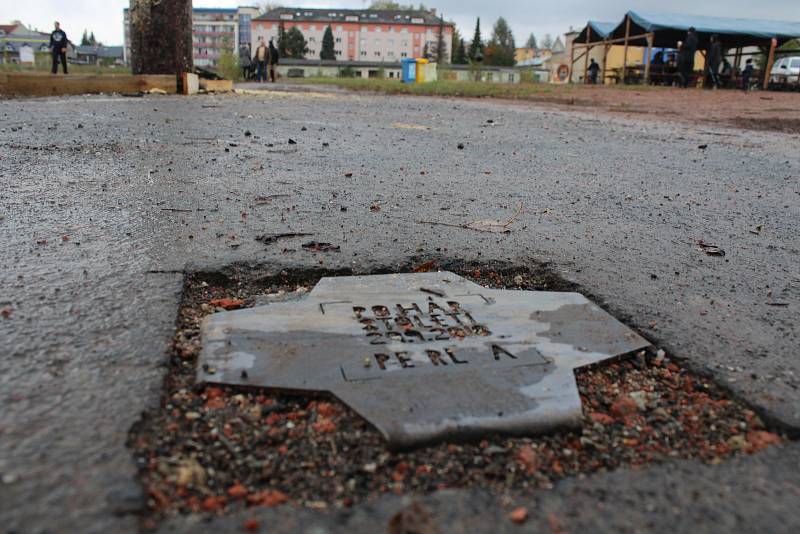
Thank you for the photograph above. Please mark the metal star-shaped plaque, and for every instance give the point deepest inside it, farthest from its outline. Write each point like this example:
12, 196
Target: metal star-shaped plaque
423, 357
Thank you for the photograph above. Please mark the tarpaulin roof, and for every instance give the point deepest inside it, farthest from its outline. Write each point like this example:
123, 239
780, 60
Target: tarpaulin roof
599, 31
671, 27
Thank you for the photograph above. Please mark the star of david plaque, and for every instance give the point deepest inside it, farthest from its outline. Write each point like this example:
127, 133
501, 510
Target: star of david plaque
423, 357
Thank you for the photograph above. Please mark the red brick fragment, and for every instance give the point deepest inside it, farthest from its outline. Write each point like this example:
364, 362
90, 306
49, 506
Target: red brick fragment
519, 515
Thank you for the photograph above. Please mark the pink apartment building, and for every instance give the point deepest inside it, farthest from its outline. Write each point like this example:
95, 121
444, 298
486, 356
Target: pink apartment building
359, 34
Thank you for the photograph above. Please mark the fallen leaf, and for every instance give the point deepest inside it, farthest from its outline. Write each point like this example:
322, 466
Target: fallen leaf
213, 503
375, 208
268, 498
403, 126
425, 267
761, 439
324, 426
519, 515
228, 304
251, 525
602, 418
237, 491
527, 458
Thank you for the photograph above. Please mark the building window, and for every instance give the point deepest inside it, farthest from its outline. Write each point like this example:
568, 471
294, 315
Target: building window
363, 53
338, 39
377, 53
390, 54
403, 54
312, 39
338, 52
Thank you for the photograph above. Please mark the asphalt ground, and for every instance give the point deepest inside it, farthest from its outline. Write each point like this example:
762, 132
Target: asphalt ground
108, 201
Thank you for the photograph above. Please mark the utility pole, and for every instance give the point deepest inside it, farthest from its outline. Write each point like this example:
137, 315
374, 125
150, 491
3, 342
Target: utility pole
161, 36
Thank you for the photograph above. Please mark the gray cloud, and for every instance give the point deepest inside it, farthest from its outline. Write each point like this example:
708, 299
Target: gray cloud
539, 17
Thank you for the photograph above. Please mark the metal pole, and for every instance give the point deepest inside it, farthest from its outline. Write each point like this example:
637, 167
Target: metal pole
605, 60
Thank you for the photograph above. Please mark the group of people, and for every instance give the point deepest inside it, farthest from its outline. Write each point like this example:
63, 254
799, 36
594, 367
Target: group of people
261, 62
717, 66
716, 63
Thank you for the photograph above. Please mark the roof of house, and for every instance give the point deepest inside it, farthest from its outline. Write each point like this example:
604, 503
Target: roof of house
600, 31
8, 28
372, 16
671, 27
214, 9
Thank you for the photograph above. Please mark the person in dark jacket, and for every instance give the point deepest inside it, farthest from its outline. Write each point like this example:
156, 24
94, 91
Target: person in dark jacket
747, 73
713, 61
245, 63
686, 57
594, 69
273, 60
58, 46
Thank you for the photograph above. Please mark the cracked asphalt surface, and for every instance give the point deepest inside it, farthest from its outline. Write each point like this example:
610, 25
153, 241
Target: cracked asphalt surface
106, 201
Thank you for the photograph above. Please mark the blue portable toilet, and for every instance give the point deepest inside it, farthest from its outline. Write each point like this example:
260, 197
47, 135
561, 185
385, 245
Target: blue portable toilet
409, 66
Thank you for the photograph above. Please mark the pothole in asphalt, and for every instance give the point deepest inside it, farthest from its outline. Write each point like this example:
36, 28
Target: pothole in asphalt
216, 448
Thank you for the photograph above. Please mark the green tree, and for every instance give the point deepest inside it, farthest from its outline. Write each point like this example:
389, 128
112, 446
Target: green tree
460, 54
85, 38
500, 48
294, 44
439, 49
327, 51
547, 41
455, 38
281, 39
531, 42
92, 40
476, 47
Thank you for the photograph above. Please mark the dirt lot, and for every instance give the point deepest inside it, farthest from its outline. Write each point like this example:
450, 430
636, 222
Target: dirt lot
755, 110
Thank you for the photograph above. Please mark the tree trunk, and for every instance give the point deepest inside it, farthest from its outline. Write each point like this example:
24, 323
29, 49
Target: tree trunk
161, 36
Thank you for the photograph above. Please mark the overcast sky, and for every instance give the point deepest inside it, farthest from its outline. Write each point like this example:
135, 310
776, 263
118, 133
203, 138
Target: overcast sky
104, 17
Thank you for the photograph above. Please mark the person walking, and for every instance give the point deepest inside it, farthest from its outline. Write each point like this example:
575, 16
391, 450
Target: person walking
273, 60
714, 61
686, 57
261, 57
594, 69
245, 63
58, 46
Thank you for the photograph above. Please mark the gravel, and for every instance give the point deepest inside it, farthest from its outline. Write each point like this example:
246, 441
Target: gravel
211, 449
